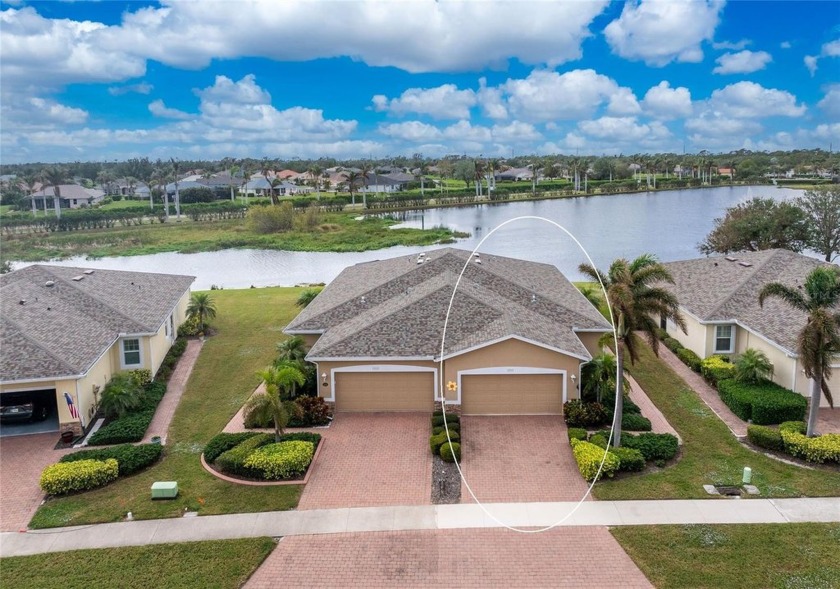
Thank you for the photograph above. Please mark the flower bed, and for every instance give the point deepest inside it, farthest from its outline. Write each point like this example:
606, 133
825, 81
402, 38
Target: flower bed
790, 439
632, 456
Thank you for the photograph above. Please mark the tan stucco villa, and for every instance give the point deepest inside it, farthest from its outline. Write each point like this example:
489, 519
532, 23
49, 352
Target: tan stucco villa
719, 300
65, 331
516, 337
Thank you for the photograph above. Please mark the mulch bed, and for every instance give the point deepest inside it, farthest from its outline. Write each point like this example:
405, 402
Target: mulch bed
446, 482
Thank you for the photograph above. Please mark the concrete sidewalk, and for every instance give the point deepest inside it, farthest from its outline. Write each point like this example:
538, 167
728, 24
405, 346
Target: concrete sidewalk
421, 517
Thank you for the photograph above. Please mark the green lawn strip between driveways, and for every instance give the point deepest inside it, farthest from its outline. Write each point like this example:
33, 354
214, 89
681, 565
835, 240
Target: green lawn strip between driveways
222, 564
710, 453
780, 556
340, 233
248, 323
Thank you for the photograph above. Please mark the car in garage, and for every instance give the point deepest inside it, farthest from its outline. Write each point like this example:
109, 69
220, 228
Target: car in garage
15, 407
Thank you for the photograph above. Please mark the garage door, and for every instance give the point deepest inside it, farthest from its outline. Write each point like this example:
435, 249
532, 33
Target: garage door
384, 391
512, 394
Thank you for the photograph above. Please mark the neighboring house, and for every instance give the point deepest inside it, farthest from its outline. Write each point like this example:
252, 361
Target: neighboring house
257, 186
377, 183
515, 339
287, 174
65, 331
726, 172
400, 176
719, 300
183, 185
73, 196
515, 174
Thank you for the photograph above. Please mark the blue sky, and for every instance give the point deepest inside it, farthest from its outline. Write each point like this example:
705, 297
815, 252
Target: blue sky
106, 80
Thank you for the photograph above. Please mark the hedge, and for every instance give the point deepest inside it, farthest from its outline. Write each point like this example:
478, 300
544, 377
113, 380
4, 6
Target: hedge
437, 420
283, 460
716, 368
450, 452
438, 440
580, 414
763, 403
652, 446
825, 448
129, 457
589, 457
233, 461
453, 427
66, 477
690, 359
221, 443
577, 433
672, 344
630, 459
765, 437
635, 422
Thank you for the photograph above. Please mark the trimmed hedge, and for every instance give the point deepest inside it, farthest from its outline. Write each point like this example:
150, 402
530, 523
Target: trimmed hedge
765, 437
716, 368
132, 427
450, 452
577, 433
453, 427
579, 414
630, 459
221, 443
652, 446
130, 458
67, 477
599, 440
825, 448
635, 422
672, 344
763, 403
796, 426
233, 461
589, 456
437, 420
690, 359
314, 439
283, 460
438, 440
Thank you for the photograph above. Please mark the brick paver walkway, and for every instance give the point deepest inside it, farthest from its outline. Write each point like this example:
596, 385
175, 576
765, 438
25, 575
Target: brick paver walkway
372, 459
658, 423
519, 458
567, 557
174, 389
828, 420
706, 393
22, 458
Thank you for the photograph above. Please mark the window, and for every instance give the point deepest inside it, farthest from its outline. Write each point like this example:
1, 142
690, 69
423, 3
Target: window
170, 327
131, 352
724, 339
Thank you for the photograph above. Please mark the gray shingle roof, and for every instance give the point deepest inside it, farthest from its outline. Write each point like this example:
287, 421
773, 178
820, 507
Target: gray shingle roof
397, 307
717, 289
61, 330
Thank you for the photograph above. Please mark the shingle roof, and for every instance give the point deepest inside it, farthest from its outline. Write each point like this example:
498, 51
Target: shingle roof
718, 289
397, 307
61, 330
68, 191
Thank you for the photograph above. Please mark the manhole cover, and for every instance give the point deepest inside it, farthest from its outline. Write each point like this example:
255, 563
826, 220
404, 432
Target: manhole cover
728, 490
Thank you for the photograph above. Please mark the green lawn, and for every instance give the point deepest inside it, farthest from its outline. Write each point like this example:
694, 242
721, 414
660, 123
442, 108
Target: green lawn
710, 453
194, 565
125, 204
779, 556
248, 323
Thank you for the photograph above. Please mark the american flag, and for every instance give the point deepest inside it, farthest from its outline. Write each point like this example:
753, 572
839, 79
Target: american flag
73, 411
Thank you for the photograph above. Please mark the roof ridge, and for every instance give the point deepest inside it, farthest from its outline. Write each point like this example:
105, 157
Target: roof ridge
130, 320
36, 343
742, 283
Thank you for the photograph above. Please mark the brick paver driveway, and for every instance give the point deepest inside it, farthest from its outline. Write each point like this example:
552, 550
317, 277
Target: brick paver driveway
519, 459
372, 459
22, 458
485, 558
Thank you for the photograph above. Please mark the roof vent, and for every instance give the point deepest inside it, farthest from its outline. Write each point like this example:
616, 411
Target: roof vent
22, 302
89, 272
745, 264
731, 259
363, 301
49, 283
533, 297
79, 278
477, 258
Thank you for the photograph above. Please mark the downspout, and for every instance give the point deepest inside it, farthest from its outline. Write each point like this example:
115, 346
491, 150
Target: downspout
793, 379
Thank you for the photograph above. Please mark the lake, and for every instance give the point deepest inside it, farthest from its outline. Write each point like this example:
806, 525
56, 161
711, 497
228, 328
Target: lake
668, 224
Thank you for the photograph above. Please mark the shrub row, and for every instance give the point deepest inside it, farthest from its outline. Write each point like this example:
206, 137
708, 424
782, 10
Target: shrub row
589, 457
437, 420
130, 458
630, 459
221, 443
690, 359
577, 433
131, 427
765, 437
654, 447
825, 448
68, 477
233, 461
438, 440
763, 403
448, 448
635, 422
453, 427
580, 414
312, 412
283, 460
717, 368
450, 452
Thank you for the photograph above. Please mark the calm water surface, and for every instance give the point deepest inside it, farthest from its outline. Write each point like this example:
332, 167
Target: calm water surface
669, 224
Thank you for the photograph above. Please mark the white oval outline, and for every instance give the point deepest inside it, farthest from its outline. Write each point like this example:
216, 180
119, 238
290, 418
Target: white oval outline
443, 390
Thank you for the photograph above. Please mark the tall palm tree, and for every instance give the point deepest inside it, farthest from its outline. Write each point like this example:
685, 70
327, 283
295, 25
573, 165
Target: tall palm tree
637, 305
819, 340
29, 181
176, 172
479, 172
201, 307
274, 183
536, 166
424, 169
315, 171
292, 352
598, 378
275, 402
366, 170
353, 178
55, 176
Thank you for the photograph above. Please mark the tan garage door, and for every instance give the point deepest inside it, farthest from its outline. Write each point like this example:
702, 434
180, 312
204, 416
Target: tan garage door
512, 394
384, 391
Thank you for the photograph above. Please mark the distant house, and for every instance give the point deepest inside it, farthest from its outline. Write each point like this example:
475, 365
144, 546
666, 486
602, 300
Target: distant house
72, 196
399, 176
515, 174
719, 299
66, 331
726, 172
377, 183
287, 174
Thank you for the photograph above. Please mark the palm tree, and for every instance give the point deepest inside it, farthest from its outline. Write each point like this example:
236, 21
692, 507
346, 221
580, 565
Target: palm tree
233, 171
274, 183
353, 178
202, 307
366, 169
598, 378
424, 169
176, 170
536, 166
315, 171
819, 340
29, 181
292, 352
637, 306
753, 366
479, 172
55, 176
275, 403
307, 297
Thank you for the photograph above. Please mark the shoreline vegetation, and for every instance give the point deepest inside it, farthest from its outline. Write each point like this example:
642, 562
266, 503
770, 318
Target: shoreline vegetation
131, 230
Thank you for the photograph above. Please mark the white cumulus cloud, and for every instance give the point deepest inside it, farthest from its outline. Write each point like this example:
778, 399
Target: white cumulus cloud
830, 104
751, 100
743, 62
159, 109
661, 31
664, 102
443, 102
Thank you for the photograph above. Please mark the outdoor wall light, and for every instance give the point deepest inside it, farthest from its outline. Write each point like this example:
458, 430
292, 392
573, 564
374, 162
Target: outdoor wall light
324, 378
574, 381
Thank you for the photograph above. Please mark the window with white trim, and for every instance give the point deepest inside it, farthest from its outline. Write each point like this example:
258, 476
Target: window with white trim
724, 339
170, 327
131, 352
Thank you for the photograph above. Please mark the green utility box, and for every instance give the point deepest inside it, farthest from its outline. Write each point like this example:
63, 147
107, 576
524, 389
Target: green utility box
164, 490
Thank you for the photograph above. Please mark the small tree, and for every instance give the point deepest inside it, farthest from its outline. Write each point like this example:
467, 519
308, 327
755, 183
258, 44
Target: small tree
121, 395
202, 308
822, 209
275, 403
307, 297
753, 366
598, 379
